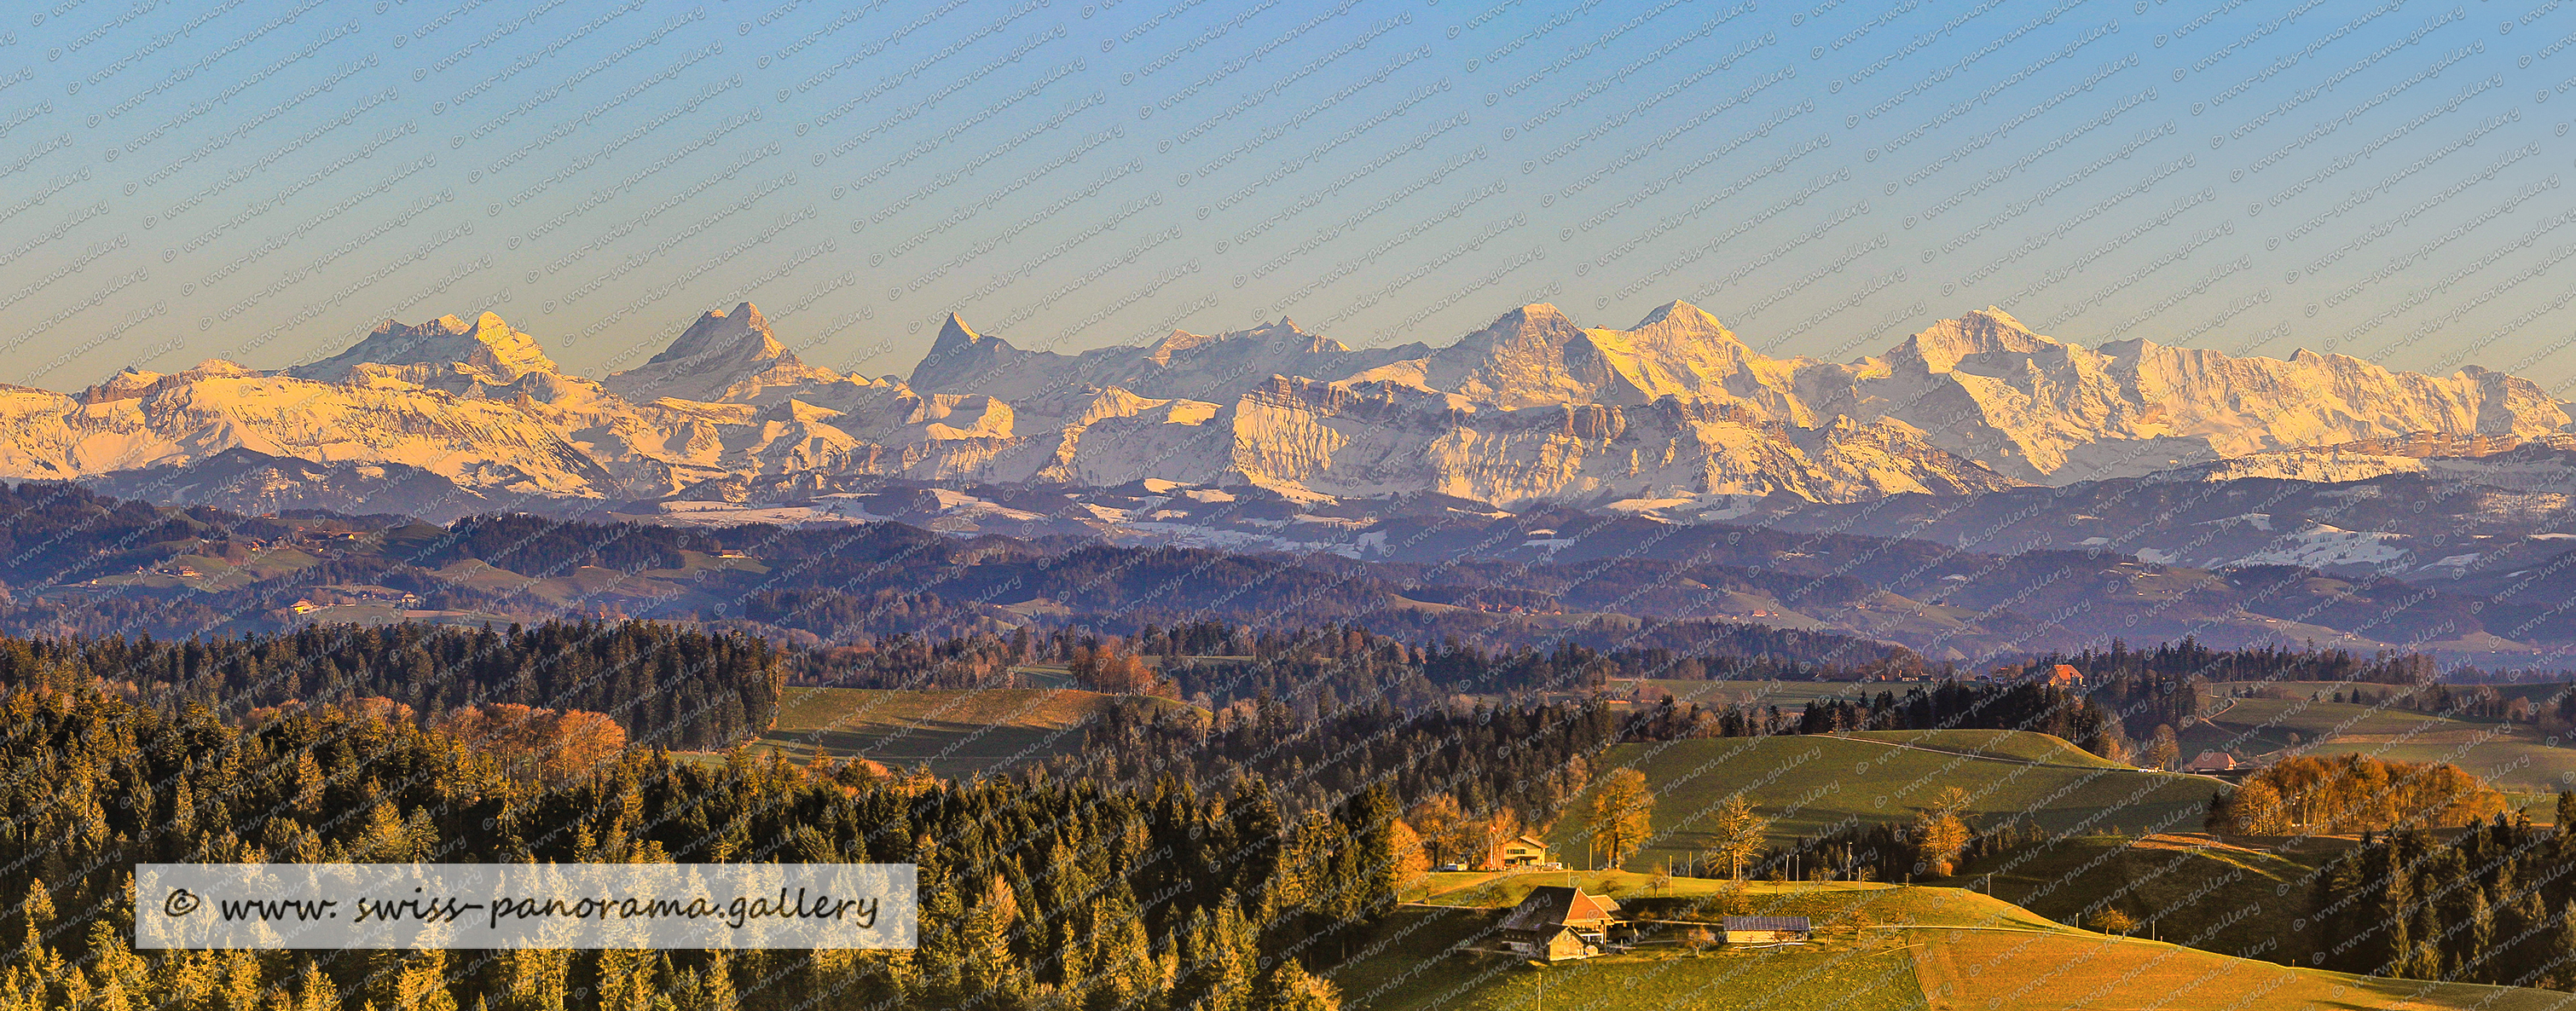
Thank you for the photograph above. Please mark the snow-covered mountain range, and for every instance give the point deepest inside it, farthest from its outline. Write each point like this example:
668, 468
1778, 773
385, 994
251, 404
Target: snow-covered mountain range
1532, 409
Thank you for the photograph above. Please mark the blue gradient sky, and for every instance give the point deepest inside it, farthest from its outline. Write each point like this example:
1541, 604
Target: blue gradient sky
263, 181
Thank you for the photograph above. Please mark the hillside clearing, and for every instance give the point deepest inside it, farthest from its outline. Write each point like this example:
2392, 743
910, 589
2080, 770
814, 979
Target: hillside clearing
1806, 784
957, 732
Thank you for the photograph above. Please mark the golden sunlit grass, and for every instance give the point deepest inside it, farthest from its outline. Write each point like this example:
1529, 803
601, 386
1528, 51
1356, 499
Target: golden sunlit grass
1876, 947
1807, 783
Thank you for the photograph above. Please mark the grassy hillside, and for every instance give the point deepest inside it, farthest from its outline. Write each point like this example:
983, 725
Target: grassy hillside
1877, 946
2515, 757
959, 733
1788, 695
2008, 745
2217, 894
1805, 784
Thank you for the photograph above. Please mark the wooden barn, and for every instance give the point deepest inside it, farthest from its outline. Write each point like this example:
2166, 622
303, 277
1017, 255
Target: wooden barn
1557, 922
1767, 929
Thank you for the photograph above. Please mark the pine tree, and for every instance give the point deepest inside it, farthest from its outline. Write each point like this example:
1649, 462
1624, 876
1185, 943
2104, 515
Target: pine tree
2389, 949
533, 979
626, 980
2475, 962
1289, 987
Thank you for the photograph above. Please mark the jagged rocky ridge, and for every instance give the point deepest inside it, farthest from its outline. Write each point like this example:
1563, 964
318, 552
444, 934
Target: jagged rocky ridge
1531, 409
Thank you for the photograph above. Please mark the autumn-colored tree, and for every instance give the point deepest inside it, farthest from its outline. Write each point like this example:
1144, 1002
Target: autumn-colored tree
1496, 829
1737, 835
1411, 861
1622, 814
2111, 921
2255, 809
2163, 750
1448, 834
1113, 672
1941, 831
2354, 793
548, 745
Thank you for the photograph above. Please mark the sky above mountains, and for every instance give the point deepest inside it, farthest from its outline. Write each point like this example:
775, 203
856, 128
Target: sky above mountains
267, 182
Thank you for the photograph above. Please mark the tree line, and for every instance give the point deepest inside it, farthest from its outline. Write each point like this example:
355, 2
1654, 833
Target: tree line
2494, 903
1035, 892
2319, 794
662, 685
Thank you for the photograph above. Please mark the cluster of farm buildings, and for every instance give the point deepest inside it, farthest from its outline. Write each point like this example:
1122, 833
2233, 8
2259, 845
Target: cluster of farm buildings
1562, 922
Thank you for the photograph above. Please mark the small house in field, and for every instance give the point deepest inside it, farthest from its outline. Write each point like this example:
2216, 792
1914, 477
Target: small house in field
1767, 929
1525, 851
2065, 676
1558, 922
2211, 761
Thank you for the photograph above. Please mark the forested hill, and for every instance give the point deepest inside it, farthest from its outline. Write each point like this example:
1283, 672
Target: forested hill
74, 562
1066, 894
663, 685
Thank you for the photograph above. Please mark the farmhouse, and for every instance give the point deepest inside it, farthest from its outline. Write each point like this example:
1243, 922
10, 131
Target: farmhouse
1525, 851
1557, 922
2211, 761
1766, 929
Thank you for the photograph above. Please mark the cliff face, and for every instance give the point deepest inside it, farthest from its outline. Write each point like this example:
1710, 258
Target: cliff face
1533, 408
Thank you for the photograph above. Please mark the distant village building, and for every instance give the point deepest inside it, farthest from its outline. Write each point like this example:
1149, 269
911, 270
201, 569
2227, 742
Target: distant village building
1558, 922
1766, 929
1526, 851
2065, 676
2211, 761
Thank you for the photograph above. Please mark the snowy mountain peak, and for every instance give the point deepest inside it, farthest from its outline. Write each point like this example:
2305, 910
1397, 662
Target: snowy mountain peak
960, 357
741, 335
488, 350
1531, 407
1174, 343
1279, 337
1683, 328
1943, 345
1680, 313
127, 384
723, 356
955, 332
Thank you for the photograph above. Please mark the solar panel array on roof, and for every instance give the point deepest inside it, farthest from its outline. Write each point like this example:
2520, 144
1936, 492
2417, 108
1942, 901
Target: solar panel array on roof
1796, 923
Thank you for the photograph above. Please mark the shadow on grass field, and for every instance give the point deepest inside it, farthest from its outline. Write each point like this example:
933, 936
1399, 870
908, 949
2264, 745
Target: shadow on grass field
957, 733
2238, 896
